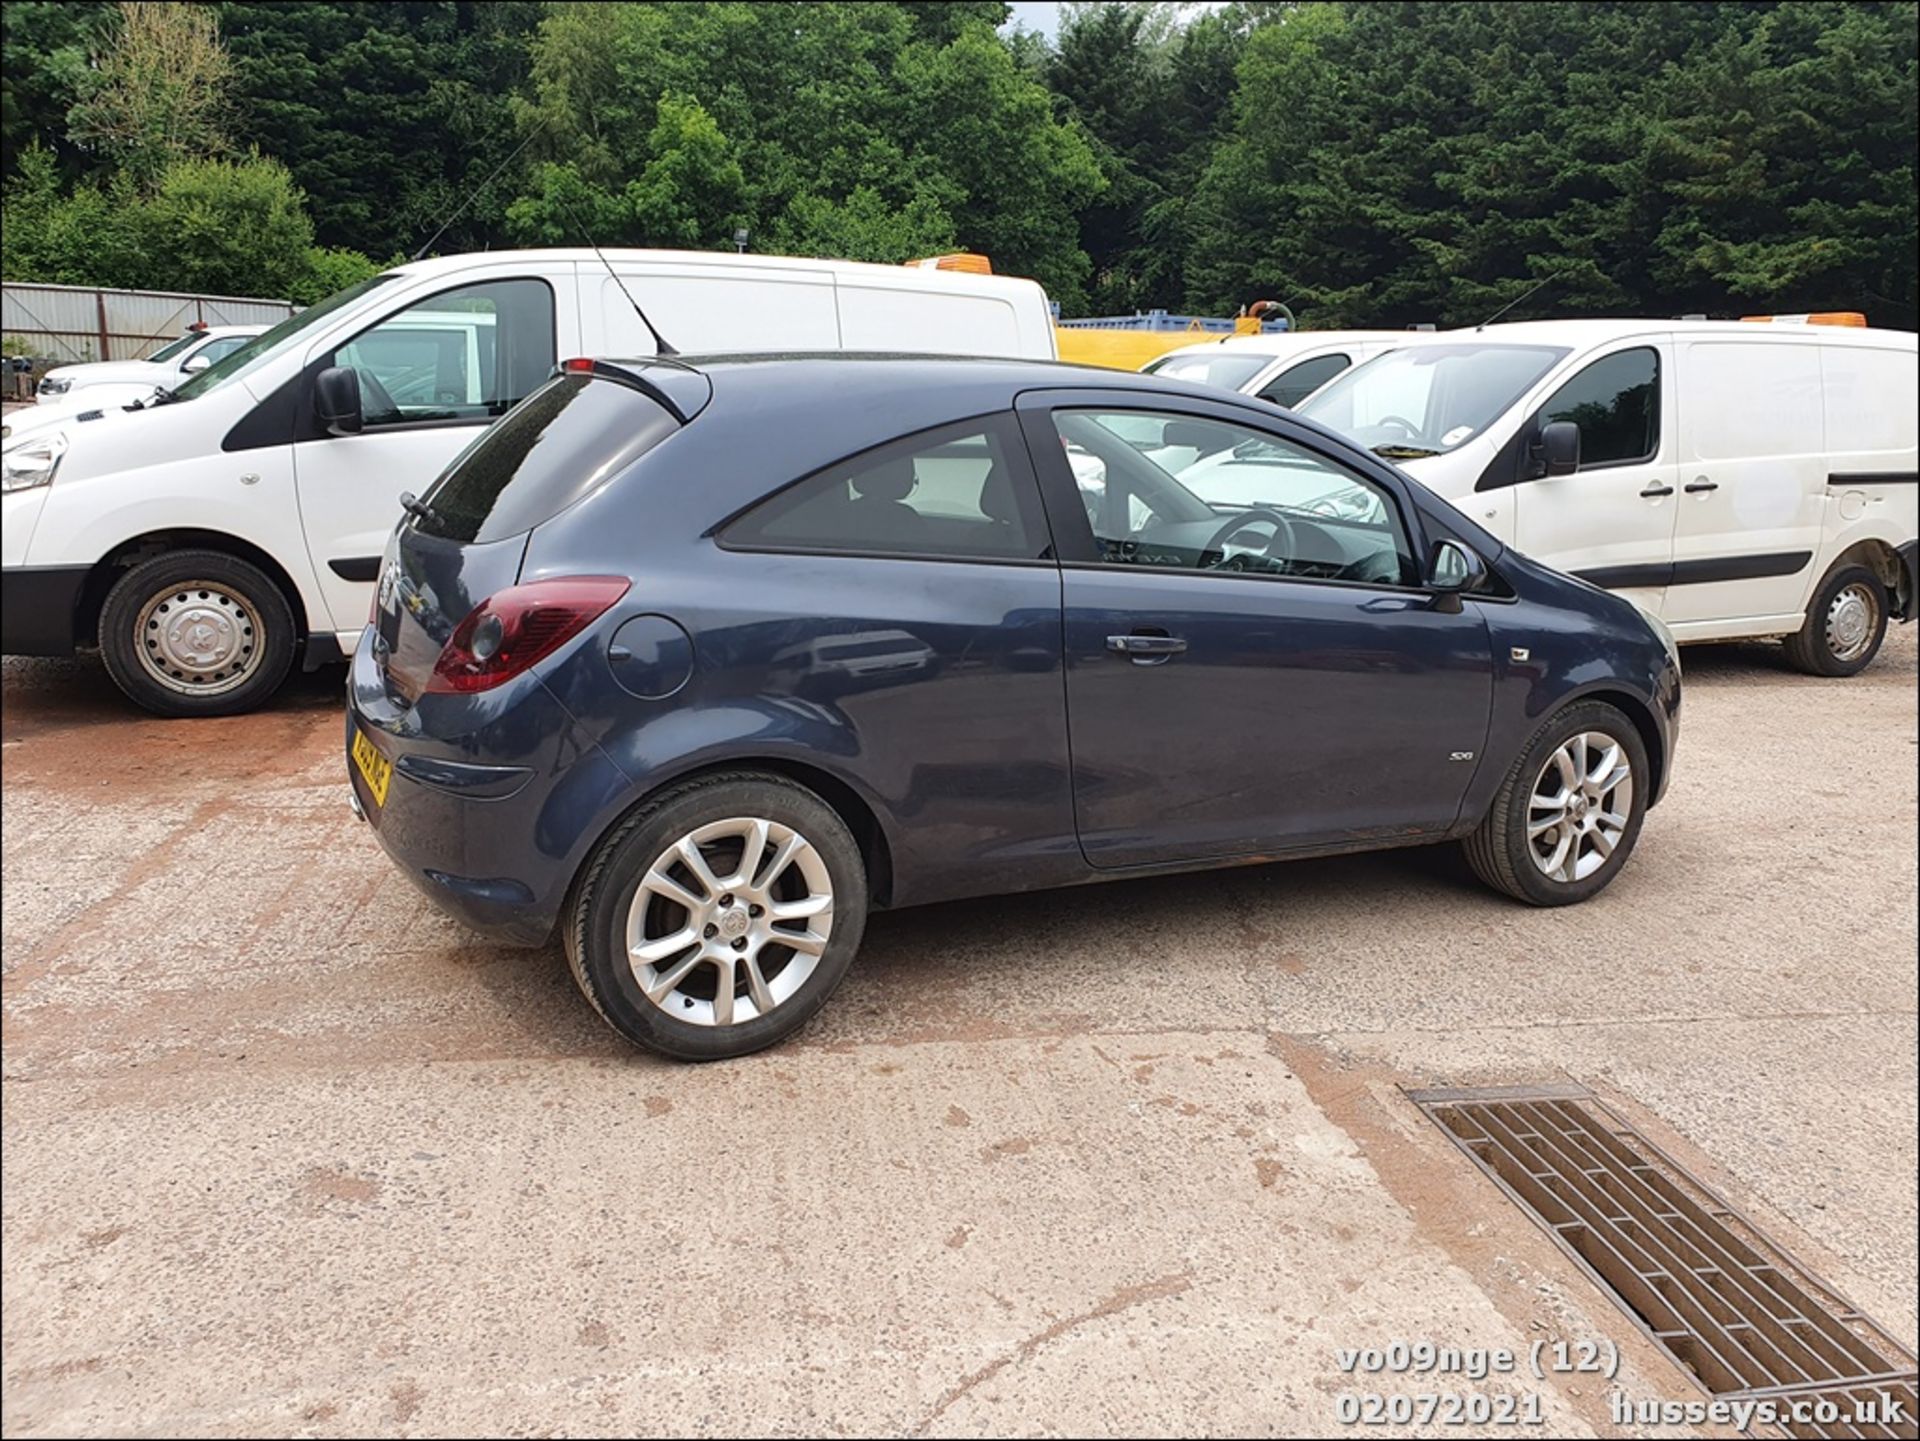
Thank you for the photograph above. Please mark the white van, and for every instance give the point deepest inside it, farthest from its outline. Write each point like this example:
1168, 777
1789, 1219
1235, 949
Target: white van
208, 542
1283, 367
1736, 480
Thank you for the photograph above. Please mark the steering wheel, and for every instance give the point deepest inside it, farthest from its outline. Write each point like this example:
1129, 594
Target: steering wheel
1412, 430
371, 388
1282, 527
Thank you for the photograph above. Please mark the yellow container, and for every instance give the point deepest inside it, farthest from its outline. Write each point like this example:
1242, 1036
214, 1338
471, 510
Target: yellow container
1131, 349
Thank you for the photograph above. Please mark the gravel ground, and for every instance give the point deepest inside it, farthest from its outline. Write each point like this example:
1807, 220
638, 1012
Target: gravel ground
287, 1151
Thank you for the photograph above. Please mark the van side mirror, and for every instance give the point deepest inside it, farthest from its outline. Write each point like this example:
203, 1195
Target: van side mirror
1454, 571
336, 399
1558, 448
194, 364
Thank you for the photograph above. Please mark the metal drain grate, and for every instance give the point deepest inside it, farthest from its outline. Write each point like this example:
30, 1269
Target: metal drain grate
1696, 1276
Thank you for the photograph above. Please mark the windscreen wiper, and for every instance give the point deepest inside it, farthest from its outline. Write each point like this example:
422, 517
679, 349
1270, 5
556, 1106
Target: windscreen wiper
1403, 452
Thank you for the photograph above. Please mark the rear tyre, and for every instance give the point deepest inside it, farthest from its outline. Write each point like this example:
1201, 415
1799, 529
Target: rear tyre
1845, 624
197, 633
719, 917
1568, 813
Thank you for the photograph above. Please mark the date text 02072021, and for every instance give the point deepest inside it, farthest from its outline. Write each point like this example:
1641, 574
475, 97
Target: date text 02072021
1473, 1363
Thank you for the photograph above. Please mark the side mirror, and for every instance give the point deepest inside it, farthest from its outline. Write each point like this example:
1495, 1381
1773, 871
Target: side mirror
336, 399
1455, 571
1558, 448
194, 364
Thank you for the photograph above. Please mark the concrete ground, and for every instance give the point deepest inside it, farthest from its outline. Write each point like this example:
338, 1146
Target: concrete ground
285, 1151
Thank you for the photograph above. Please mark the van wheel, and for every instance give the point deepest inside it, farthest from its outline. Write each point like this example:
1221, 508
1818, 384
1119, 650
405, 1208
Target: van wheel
1844, 626
196, 633
1567, 815
719, 916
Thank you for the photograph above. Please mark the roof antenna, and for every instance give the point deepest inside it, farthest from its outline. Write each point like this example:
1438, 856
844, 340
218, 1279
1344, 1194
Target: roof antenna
1551, 275
659, 341
475, 195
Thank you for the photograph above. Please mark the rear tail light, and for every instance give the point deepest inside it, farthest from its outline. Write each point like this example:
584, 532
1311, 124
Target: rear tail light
517, 628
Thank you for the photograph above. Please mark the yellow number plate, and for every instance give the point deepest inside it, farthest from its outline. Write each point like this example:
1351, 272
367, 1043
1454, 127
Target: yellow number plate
375, 768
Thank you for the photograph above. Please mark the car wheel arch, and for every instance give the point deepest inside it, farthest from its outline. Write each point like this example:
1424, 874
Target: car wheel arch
110, 567
1640, 713
846, 800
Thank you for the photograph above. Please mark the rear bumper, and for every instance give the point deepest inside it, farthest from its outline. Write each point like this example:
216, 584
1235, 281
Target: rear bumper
492, 803
1910, 597
38, 606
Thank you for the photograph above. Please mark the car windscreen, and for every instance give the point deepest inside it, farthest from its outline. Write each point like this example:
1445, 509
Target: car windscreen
281, 337
1227, 369
174, 347
1429, 399
559, 444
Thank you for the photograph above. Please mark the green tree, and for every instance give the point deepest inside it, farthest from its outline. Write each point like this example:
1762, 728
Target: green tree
47, 44
389, 116
853, 126
159, 92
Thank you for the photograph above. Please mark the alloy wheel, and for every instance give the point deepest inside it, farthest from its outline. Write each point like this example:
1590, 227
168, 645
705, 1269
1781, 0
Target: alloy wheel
1579, 806
730, 921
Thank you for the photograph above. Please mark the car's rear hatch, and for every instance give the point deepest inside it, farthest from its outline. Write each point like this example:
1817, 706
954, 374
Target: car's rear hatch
464, 540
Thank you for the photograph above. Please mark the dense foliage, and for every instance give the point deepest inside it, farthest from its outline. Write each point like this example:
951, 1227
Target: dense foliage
1365, 162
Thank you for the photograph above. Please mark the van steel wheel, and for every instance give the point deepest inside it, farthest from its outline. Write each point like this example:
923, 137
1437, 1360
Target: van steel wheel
1845, 624
196, 633
719, 917
1569, 811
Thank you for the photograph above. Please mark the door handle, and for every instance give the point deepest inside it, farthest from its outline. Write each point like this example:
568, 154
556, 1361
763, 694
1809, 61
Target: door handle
1656, 490
1144, 649
1700, 483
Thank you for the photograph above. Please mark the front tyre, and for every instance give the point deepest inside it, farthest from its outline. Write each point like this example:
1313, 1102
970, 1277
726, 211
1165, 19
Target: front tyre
1568, 813
197, 633
1844, 625
719, 916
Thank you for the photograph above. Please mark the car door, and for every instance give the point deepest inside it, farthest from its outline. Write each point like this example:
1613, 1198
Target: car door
1246, 680
1753, 480
421, 403
1612, 520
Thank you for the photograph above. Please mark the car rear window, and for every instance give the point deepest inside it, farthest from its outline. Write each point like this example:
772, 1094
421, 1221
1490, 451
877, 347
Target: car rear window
561, 442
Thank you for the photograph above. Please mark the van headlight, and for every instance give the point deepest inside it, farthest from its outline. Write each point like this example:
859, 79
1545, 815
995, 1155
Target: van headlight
54, 385
31, 462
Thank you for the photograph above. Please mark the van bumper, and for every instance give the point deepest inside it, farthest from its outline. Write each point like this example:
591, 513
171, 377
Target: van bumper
1909, 561
38, 604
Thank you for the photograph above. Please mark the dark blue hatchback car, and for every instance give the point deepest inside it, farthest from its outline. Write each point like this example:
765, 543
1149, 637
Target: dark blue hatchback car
697, 661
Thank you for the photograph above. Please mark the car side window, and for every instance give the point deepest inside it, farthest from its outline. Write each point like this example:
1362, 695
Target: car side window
1616, 403
1297, 382
961, 490
1181, 492
465, 354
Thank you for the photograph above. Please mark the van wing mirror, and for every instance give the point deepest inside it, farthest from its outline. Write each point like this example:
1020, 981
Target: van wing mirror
1558, 448
336, 399
194, 364
1455, 571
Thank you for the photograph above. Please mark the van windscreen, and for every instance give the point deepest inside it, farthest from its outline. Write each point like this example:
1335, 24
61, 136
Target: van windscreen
1427, 399
559, 444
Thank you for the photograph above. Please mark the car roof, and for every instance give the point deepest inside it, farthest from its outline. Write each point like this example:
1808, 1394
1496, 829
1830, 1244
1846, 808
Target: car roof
1284, 342
1587, 332
853, 378
1581, 333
